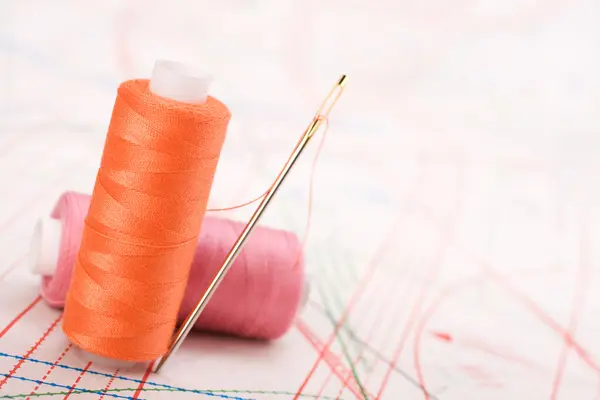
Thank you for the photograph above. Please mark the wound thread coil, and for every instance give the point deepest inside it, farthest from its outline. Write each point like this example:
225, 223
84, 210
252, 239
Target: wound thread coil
259, 298
141, 230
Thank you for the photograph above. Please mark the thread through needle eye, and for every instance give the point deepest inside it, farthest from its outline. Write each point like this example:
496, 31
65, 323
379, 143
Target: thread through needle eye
331, 99
320, 117
326, 107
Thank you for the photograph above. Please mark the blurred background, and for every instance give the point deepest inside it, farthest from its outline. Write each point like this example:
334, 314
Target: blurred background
465, 146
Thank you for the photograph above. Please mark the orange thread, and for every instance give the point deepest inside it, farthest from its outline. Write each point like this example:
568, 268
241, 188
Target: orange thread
310, 194
140, 233
244, 204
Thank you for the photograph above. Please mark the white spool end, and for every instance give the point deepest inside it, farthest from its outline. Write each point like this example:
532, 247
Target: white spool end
176, 81
44, 249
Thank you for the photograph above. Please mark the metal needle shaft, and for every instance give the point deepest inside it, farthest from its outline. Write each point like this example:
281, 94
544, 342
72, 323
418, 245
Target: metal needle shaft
313, 127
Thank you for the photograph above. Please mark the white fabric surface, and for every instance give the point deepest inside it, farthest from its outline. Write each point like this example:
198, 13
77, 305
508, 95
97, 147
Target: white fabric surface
465, 145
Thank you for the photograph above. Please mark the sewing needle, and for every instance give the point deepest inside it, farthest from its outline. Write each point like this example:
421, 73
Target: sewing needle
321, 116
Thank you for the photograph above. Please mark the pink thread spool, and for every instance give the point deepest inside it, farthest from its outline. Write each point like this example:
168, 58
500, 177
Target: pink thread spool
259, 298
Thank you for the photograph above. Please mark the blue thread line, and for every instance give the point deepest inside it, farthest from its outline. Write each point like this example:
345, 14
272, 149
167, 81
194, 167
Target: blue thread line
149, 383
21, 378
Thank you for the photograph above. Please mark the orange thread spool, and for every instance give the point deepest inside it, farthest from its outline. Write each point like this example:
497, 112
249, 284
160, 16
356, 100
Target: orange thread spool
150, 196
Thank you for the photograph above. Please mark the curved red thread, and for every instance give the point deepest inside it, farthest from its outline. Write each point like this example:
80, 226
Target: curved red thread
432, 272
244, 204
576, 309
427, 314
311, 183
299, 256
524, 300
311, 180
413, 316
544, 317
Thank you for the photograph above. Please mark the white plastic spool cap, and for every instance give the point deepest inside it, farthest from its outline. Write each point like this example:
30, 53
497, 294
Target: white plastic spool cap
178, 82
45, 246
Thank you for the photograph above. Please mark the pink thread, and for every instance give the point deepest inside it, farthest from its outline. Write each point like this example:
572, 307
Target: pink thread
259, 297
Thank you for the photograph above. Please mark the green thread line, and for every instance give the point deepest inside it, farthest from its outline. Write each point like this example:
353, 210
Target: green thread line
355, 279
86, 391
338, 336
349, 267
345, 260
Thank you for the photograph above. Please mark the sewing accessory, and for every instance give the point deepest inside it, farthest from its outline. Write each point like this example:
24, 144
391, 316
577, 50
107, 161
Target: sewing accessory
320, 117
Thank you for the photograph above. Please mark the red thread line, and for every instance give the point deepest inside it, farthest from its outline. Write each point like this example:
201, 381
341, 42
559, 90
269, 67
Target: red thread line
310, 193
431, 274
375, 261
317, 344
414, 313
380, 314
311, 182
330, 358
527, 304
144, 379
427, 314
544, 317
58, 360
325, 348
379, 356
362, 286
74, 385
389, 333
481, 376
19, 316
578, 301
109, 384
525, 300
444, 336
486, 348
30, 351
